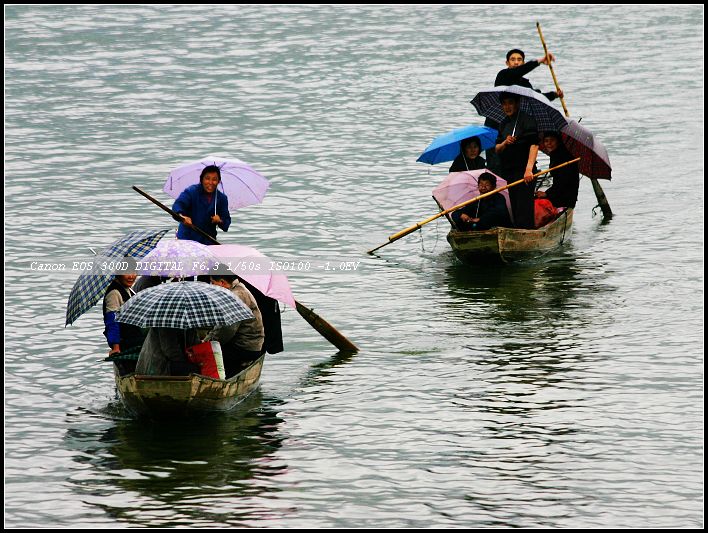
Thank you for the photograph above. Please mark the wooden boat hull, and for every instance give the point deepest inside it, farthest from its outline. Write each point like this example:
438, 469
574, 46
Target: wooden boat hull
508, 245
179, 395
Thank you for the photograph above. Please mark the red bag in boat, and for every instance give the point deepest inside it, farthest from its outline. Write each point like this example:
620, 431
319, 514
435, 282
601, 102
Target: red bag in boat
544, 212
209, 357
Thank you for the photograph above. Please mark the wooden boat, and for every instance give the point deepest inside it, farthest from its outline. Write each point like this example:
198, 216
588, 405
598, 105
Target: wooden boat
177, 395
507, 245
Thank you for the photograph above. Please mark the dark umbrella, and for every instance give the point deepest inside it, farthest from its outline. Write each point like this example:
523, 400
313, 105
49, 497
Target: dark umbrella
92, 284
594, 161
183, 305
547, 117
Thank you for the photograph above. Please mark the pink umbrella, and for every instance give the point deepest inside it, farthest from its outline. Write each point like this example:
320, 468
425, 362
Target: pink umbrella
243, 259
459, 187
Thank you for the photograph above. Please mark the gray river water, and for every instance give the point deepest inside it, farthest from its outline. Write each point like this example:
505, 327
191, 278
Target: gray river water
562, 393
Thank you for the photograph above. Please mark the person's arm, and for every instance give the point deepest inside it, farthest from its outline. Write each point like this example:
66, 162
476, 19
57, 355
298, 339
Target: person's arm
499, 148
533, 154
224, 216
511, 76
112, 331
183, 207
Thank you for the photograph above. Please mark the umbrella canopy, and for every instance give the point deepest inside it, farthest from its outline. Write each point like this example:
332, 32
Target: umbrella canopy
183, 305
240, 258
91, 286
446, 147
174, 258
532, 103
458, 187
239, 181
594, 161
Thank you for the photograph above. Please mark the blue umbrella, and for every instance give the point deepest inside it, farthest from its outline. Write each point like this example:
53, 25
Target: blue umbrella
446, 147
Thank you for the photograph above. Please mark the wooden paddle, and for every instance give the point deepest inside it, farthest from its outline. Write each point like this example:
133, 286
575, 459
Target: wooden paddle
324, 328
422, 223
599, 193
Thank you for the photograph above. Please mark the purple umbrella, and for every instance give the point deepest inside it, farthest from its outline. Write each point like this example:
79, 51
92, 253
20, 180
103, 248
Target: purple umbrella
239, 181
594, 162
178, 258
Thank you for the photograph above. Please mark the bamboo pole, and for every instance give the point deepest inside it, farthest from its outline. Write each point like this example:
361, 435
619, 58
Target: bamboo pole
599, 193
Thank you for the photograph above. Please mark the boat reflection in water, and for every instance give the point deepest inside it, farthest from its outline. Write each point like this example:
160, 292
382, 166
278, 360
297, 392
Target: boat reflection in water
162, 474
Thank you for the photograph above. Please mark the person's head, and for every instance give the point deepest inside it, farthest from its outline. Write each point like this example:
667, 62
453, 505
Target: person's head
223, 280
486, 183
126, 280
550, 141
210, 178
515, 58
471, 147
510, 103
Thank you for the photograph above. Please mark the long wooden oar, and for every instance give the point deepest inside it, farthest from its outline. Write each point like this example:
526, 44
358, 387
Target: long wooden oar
422, 223
324, 328
599, 193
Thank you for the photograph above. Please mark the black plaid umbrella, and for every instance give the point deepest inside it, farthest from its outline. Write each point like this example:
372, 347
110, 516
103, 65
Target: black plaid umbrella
547, 117
183, 305
594, 161
92, 284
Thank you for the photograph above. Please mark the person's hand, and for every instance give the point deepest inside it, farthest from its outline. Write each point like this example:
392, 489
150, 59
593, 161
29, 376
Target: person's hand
547, 58
216, 219
187, 220
114, 350
559, 92
465, 218
510, 139
474, 220
528, 176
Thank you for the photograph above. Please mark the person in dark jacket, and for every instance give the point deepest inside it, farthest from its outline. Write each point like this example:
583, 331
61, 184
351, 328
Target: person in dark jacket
469, 158
203, 206
517, 147
485, 213
566, 180
513, 74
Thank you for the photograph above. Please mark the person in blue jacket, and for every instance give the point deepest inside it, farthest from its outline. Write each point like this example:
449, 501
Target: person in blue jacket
203, 206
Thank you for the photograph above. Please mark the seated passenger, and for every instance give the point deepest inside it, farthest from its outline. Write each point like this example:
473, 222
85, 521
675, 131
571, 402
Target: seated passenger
469, 158
164, 352
485, 213
566, 180
241, 343
120, 336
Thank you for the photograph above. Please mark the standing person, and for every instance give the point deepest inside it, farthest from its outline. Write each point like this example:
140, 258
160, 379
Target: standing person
485, 213
566, 180
513, 74
469, 158
203, 206
118, 335
241, 343
517, 147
